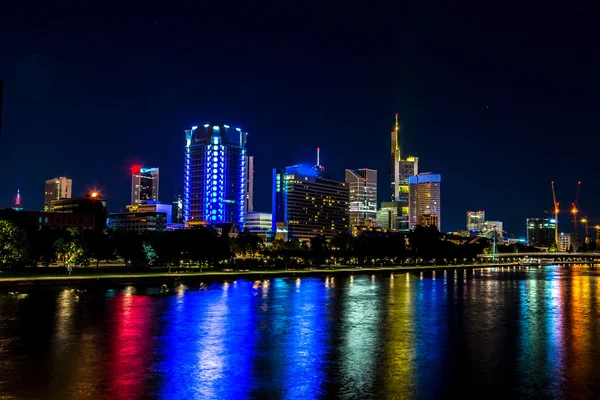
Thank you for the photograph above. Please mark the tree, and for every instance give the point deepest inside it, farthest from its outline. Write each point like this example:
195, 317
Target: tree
13, 244
70, 248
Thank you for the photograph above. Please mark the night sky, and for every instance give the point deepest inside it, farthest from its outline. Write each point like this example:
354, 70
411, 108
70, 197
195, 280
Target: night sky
499, 106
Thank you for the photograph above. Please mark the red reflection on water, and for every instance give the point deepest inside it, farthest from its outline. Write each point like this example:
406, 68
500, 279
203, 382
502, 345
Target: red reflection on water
131, 346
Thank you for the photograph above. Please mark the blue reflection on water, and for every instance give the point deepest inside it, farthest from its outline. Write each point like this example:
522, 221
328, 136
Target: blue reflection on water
207, 348
306, 338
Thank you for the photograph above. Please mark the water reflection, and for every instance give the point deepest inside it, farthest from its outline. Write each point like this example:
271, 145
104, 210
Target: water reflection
523, 333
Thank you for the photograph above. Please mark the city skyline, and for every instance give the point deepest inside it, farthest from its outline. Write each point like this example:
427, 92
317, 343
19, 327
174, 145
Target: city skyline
473, 116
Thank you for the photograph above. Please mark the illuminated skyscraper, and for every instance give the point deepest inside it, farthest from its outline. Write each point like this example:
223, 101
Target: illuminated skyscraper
249, 184
475, 220
215, 175
401, 171
306, 204
540, 231
362, 185
424, 199
57, 188
144, 184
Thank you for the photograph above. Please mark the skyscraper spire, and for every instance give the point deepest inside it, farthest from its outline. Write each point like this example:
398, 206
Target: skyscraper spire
396, 131
318, 156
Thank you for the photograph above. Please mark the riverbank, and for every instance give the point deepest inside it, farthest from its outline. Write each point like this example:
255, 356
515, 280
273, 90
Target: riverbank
92, 276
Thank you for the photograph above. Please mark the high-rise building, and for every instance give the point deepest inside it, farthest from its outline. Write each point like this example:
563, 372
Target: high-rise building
249, 184
144, 184
362, 185
57, 188
307, 204
177, 207
540, 231
475, 220
402, 169
424, 198
389, 216
215, 175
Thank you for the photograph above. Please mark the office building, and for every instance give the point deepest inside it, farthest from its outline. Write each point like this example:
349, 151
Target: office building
402, 170
249, 184
62, 220
307, 204
144, 184
475, 220
177, 207
258, 222
540, 231
568, 242
362, 187
424, 198
152, 207
91, 205
215, 175
389, 216
138, 222
57, 188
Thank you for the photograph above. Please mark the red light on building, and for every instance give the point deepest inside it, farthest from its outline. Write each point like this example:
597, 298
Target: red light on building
94, 194
136, 169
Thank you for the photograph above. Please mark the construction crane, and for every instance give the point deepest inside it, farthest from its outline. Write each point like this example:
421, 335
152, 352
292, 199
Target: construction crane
556, 211
574, 209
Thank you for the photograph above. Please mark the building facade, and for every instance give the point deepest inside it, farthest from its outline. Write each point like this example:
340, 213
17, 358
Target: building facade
215, 175
91, 205
57, 188
306, 204
425, 198
154, 207
144, 184
60, 220
402, 170
475, 220
138, 222
249, 184
540, 231
568, 242
177, 207
258, 222
362, 187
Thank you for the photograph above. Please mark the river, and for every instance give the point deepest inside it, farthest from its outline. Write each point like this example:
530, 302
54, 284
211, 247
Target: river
484, 333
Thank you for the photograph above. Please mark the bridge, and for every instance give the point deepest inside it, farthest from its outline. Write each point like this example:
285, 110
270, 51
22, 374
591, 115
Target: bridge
557, 256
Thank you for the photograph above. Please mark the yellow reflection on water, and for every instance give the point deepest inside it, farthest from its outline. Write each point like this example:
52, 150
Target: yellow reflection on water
399, 352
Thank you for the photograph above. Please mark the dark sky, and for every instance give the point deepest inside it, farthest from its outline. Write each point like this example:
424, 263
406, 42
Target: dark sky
499, 106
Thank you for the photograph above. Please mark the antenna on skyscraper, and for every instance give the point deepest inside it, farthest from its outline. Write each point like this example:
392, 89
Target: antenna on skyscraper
318, 156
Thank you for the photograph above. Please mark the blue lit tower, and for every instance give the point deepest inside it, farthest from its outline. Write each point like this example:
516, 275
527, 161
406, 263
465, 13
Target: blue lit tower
215, 175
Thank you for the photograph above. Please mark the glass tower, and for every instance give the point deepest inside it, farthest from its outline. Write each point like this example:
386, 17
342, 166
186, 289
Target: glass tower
402, 170
144, 184
307, 204
215, 175
424, 199
362, 184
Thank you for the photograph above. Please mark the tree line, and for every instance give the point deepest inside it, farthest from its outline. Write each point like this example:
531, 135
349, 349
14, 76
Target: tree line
23, 244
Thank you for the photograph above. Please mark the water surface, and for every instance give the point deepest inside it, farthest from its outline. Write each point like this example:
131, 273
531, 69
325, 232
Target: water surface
494, 333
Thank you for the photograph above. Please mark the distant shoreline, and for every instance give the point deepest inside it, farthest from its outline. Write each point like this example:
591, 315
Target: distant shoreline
94, 277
